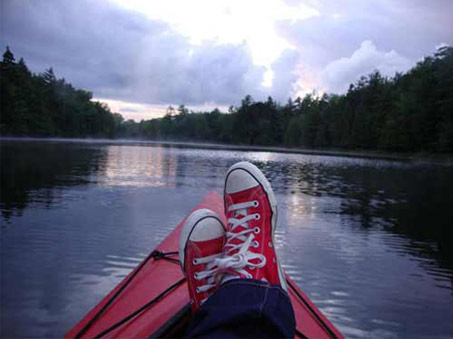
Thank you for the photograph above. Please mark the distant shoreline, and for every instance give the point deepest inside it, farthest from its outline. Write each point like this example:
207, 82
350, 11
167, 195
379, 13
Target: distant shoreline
366, 154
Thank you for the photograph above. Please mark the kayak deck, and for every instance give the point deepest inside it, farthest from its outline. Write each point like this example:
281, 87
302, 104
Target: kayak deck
153, 300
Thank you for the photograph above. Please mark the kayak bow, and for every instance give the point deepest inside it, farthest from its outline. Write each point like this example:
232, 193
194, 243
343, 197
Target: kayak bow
153, 300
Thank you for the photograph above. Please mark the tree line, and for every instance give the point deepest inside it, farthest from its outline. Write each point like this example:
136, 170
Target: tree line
42, 105
409, 112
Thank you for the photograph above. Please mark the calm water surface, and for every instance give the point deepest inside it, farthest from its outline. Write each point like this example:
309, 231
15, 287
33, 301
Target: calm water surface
368, 240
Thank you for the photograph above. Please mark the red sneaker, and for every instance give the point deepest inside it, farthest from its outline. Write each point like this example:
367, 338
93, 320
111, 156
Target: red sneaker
251, 210
201, 242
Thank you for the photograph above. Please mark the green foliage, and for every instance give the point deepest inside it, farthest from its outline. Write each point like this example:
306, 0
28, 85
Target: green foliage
42, 105
8, 57
410, 112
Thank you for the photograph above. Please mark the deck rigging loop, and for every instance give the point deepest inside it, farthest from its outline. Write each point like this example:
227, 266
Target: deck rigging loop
156, 255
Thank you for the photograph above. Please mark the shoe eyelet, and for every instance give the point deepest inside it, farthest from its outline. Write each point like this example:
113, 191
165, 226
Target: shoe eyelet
257, 216
195, 275
256, 230
195, 261
256, 203
270, 244
256, 244
252, 267
197, 290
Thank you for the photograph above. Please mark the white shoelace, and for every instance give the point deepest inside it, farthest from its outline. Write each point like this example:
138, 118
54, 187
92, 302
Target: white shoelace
243, 257
208, 274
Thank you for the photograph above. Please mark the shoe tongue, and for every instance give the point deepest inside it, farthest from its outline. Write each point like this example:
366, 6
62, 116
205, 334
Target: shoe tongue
210, 247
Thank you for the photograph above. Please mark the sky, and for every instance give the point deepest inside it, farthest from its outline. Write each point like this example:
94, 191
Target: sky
142, 56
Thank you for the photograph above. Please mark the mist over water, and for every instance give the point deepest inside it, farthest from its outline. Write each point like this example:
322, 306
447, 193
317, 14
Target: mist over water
366, 239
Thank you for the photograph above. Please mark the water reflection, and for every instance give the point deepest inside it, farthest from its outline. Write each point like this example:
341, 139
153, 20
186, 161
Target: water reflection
35, 174
366, 239
412, 200
139, 166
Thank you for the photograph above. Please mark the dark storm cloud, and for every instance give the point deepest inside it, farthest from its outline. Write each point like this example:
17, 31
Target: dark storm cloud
123, 55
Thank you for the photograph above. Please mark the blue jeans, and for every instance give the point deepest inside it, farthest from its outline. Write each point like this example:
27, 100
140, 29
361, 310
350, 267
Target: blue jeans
245, 308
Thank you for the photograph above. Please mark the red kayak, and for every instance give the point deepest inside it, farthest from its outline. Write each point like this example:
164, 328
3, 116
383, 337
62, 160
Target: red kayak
153, 300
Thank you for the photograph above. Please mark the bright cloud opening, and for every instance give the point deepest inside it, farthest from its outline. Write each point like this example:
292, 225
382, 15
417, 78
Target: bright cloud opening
228, 22
141, 56
340, 73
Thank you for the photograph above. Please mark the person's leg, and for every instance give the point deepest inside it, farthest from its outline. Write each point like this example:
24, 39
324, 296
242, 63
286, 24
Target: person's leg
245, 308
251, 301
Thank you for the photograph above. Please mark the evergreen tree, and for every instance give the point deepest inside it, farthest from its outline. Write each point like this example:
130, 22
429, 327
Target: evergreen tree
49, 77
42, 105
410, 112
8, 57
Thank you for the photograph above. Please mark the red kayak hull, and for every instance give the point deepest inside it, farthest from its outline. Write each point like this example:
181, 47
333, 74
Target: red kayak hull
154, 299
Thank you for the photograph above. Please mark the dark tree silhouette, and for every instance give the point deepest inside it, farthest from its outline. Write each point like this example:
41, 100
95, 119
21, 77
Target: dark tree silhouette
410, 112
42, 105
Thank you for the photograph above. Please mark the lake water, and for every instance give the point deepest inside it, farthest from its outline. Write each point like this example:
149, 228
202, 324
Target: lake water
368, 240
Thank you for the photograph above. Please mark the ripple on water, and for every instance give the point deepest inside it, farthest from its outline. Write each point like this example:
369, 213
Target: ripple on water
352, 233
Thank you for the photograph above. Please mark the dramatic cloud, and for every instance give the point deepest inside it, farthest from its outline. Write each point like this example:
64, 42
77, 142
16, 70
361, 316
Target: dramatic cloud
284, 74
409, 29
339, 73
123, 55
412, 27
207, 53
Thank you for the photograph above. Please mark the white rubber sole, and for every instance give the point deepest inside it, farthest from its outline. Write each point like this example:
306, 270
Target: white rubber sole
259, 176
192, 220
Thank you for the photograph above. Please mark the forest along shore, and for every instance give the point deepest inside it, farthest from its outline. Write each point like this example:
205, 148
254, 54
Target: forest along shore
408, 113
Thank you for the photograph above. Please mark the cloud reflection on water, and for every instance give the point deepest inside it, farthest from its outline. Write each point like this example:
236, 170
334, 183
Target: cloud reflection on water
139, 166
364, 238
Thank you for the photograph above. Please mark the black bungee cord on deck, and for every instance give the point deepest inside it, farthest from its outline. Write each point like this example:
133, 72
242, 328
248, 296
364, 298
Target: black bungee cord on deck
165, 255
141, 309
156, 255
